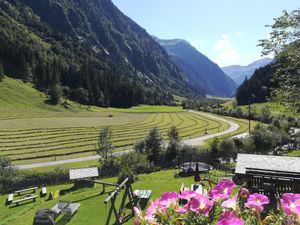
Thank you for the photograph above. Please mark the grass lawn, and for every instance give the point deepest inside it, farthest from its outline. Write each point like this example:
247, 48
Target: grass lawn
275, 108
93, 210
293, 153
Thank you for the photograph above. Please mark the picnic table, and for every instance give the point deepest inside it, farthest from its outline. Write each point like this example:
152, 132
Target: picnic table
65, 207
21, 192
25, 198
142, 194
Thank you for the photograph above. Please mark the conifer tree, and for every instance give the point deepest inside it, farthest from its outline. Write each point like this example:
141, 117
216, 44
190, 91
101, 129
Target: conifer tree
1, 72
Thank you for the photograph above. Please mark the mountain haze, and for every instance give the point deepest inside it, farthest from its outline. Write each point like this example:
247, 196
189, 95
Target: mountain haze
203, 74
239, 73
90, 48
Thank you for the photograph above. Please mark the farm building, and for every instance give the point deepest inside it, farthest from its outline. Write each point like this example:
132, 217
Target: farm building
272, 175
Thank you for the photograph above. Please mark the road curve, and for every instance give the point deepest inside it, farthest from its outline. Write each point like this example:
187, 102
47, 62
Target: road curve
194, 142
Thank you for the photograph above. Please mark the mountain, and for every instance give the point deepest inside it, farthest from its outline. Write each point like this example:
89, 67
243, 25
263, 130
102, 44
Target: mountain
258, 88
90, 49
203, 75
239, 73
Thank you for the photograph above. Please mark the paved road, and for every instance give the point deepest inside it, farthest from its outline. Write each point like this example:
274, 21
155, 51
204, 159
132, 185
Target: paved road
194, 142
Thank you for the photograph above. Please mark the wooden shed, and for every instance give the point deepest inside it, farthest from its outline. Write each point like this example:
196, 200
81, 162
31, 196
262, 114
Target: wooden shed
268, 174
84, 177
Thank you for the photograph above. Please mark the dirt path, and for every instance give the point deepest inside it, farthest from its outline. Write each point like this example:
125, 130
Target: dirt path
194, 142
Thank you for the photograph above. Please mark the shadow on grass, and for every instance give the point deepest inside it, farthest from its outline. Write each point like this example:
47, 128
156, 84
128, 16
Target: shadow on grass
19, 205
64, 220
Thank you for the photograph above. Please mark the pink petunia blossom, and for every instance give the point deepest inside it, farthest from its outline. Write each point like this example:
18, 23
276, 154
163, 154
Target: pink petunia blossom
231, 203
256, 202
184, 209
167, 199
151, 212
291, 203
230, 218
222, 190
201, 204
244, 193
187, 195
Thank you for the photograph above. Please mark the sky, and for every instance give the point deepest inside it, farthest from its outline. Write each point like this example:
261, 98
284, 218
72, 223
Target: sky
226, 31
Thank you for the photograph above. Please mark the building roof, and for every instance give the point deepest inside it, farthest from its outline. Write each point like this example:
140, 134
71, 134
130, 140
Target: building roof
267, 162
83, 173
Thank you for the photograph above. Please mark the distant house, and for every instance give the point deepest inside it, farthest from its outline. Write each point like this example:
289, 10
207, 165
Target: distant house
269, 174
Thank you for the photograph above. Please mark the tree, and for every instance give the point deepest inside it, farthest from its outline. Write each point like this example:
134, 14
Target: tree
284, 43
262, 139
153, 145
174, 134
105, 144
139, 147
7, 174
214, 152
55, 94
227, 149
1, 71
174, 145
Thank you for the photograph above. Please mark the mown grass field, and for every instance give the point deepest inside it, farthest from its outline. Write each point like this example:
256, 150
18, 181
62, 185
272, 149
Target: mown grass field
45, 139
93, 211
32, 131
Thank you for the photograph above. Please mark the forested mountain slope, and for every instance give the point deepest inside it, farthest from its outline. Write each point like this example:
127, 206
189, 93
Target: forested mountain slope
88, 48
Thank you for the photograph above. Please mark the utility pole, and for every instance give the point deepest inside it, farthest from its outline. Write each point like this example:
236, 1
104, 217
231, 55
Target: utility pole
249, 116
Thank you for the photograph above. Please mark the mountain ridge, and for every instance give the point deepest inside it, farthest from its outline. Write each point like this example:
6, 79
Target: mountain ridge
203, 74
238, 73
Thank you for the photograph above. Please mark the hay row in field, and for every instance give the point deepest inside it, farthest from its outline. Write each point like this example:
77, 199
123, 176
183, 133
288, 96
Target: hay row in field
22, 145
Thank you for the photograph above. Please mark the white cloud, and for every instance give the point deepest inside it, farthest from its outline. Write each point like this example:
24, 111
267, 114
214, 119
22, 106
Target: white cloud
238, 32
227, 55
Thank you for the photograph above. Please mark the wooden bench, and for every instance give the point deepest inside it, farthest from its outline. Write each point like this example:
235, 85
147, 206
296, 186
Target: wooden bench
20, 192
56, 209
10, 198
17, 202
73, 207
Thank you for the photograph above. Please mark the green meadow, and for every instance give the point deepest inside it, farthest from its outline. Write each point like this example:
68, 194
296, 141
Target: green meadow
92, 210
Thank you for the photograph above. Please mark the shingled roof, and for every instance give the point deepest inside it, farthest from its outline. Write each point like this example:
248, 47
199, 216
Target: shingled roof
267, 162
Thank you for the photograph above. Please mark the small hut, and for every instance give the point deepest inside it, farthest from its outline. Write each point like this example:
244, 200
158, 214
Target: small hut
268, 174
84, 177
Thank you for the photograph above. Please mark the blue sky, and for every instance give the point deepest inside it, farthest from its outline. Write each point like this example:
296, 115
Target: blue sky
227, 31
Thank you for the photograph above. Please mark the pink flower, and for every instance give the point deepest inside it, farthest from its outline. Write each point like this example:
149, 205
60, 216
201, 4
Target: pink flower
167, 199
201, 204
222, 190
256, 202
291, 203
151, 212
184, 209
244, 192
231, 203
198, 204
230, 218
187, 195
137, 212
